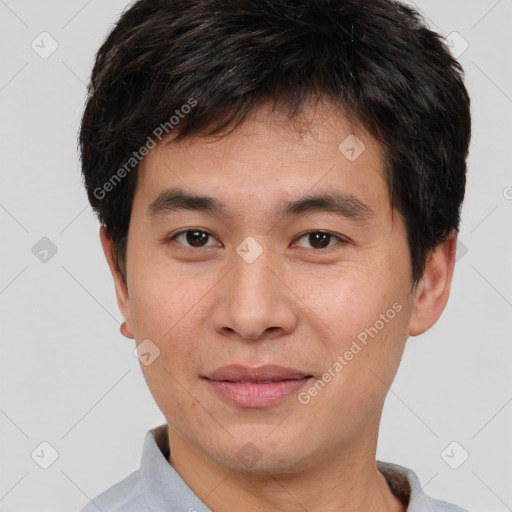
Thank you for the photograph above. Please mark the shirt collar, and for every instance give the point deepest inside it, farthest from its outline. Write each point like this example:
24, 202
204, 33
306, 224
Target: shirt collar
166, 490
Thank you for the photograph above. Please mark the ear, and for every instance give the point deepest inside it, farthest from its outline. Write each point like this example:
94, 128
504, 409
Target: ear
123, 298
433, 290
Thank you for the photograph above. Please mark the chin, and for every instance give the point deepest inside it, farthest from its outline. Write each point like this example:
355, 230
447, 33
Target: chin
261, 453
275, 464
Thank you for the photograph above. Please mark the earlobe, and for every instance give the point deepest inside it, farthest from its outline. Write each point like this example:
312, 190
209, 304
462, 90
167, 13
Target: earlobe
123, 298
433, 290
125, 332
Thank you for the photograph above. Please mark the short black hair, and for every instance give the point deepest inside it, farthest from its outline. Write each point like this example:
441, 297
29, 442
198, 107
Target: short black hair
375, 60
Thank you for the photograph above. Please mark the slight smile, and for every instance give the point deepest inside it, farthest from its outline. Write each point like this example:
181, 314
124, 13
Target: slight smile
256, 387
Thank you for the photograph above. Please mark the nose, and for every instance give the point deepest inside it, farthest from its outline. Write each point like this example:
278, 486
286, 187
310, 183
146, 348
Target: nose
253, 300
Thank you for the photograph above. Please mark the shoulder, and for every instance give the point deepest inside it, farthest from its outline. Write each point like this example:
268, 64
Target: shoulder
126, 496
428, 504
405, 484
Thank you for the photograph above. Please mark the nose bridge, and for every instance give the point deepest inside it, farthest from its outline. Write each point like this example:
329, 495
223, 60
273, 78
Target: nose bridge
252, 298
251, 277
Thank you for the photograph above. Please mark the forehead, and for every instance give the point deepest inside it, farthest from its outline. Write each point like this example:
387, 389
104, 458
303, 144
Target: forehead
269, 157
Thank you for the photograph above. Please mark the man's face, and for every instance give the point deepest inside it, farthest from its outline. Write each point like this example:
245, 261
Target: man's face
307, 289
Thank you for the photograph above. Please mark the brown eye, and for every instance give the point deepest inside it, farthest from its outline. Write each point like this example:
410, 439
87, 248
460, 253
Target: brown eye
192, 238
320, 240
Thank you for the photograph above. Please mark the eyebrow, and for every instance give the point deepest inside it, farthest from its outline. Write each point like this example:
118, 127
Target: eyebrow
343, 204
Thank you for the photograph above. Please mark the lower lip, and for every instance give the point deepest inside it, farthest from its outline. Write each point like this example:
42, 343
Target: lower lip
257, 395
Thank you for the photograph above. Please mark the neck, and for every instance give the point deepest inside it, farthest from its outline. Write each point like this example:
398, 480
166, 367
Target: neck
349, 481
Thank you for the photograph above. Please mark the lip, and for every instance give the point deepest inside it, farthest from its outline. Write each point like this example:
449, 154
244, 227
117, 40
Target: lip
255, 387
240, 373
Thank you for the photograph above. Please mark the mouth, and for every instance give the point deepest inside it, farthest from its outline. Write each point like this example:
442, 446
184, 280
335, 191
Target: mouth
258, 387
257, 381
256, 375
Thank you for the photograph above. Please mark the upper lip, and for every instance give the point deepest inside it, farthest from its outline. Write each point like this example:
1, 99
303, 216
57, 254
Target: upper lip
239, 373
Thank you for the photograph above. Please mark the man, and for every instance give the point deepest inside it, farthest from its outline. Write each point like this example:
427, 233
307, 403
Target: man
279, 185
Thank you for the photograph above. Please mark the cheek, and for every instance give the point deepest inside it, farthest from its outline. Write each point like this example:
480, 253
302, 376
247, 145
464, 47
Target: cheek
367, 318
172, 376
162, 299
168, 312
346, 300
357, 378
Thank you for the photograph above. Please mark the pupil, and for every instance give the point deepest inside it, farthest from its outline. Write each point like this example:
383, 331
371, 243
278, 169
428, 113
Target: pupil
319, 239
194, 238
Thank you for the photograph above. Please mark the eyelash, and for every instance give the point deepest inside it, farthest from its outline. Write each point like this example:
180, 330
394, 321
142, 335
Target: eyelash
341, 240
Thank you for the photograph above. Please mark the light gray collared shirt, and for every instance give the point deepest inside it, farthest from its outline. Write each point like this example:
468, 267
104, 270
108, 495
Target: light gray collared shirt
157, 487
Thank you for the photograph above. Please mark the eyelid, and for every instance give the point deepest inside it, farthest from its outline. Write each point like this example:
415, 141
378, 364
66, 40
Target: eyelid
171, 238
342, 240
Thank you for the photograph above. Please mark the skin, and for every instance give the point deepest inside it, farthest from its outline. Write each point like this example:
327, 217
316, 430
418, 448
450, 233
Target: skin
295, 305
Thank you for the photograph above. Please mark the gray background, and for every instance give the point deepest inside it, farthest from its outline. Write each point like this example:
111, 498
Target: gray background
69, 378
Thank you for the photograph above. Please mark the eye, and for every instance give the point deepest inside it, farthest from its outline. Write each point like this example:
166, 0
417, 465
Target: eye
321, 240
193, 238
197, 239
